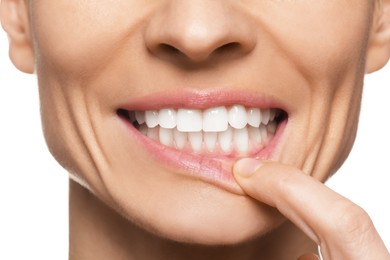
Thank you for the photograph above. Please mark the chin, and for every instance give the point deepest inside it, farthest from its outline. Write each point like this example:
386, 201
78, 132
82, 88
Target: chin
212, 231
194, 212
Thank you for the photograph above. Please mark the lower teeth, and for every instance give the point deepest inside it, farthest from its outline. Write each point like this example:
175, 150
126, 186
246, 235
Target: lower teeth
231, 141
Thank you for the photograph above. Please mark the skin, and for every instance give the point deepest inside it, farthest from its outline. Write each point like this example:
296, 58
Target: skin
92, 56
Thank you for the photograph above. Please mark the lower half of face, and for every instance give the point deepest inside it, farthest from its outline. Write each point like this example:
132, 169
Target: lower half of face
150, 104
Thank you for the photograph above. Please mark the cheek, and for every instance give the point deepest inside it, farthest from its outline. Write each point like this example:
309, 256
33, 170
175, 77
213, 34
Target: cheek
325, 43
61, 135
79, 37
73, 40
322, 40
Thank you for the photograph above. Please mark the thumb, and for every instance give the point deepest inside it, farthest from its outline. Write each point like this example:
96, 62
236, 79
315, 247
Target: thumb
264, 180
296, 195
246, 167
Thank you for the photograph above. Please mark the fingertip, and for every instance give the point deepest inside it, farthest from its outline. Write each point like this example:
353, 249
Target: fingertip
246, 167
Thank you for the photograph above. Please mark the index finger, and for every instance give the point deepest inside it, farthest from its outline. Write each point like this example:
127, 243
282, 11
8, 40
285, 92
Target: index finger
335, 223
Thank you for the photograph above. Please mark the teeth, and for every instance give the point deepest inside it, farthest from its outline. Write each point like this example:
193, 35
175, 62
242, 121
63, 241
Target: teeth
210, 139
265, 116
215, 119
140, 117
167, 118
132, 116
272, 114
263, 133
271, 127
217, 129
189, 120
143, 129
238, 117
254, 134
153, 133
166, 136
195, 139
254, 117
225, 140
180, 138
240, 138
151, 118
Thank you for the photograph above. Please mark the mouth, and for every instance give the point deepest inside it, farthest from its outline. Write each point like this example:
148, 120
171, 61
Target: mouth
204, 141
233, 132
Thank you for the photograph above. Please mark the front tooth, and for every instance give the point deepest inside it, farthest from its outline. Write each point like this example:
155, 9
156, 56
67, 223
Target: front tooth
151, 118
254, 134
195, 139
254, 117
238, 117
189, 120
210, 138
180, 138
166, 136
265, 115
215, 119
140, 117
167, 118
240, 137
225, 140
153, 133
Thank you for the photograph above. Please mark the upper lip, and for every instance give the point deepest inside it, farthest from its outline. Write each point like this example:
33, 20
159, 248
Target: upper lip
202, 99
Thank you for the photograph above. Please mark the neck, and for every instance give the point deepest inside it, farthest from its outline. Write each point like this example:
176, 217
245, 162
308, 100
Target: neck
98, 232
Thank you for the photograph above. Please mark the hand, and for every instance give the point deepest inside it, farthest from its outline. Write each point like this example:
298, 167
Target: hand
342, 229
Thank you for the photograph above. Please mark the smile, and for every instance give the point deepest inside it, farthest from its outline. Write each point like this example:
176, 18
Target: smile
234, 131
202, 135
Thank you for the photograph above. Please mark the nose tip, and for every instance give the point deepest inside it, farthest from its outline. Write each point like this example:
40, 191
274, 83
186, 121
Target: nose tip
198, 33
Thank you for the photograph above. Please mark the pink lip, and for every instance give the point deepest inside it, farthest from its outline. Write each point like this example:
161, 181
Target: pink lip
201, 99
215, 170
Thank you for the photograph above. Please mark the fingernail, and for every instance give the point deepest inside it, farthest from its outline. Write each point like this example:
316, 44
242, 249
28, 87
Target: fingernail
246, 167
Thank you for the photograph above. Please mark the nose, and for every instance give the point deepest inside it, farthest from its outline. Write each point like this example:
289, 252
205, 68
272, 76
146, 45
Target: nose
198, 31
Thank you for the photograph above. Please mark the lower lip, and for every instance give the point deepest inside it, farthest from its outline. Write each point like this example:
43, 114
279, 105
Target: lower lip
212, 170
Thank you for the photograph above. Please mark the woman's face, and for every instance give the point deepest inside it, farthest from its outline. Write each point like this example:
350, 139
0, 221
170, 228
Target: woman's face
203, 74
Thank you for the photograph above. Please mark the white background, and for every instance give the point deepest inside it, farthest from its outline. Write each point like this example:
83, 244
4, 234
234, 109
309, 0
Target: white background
33, 188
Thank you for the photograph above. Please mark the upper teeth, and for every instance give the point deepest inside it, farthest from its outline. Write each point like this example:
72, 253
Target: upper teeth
229, 128
214, 119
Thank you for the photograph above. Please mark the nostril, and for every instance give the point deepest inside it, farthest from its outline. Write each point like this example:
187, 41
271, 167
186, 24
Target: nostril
227, 48
170, 50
